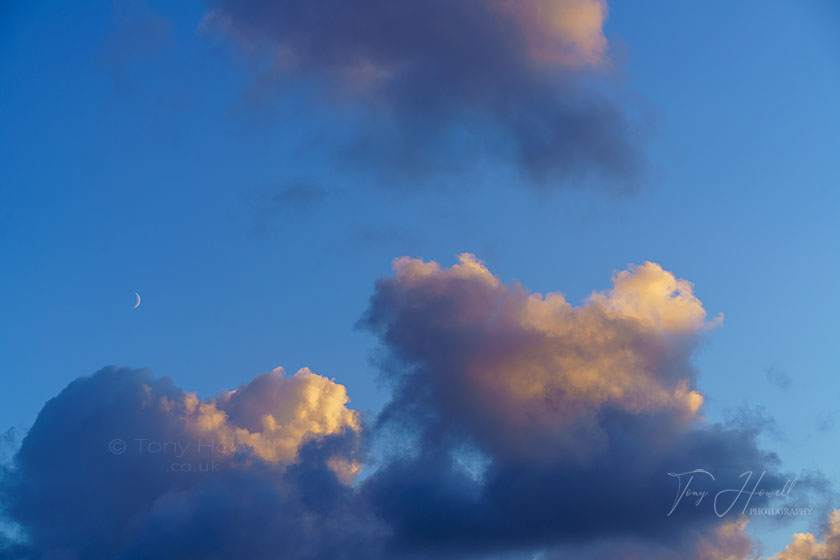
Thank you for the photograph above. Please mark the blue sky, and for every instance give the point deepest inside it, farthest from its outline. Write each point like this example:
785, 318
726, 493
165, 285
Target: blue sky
150, 157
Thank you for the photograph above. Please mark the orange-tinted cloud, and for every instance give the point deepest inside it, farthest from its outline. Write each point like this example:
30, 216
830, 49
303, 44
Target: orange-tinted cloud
273, 415
562, 32
534, 365
728, 541
806, 546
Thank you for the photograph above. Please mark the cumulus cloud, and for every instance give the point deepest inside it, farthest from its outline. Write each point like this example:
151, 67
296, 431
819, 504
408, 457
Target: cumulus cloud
273, 414
527, 75
123, 465
538, 423
806, 546
521, 367
728, 542
519, 423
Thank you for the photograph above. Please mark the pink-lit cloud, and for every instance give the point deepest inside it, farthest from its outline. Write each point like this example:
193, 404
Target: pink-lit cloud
519, 81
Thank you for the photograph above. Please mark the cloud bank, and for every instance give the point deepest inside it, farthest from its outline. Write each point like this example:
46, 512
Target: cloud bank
518, 424
439, 81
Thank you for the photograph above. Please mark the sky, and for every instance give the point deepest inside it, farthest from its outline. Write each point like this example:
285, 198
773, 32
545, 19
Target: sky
253, 169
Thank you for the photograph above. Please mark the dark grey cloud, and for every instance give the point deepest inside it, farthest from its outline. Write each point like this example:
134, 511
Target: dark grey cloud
435, 507
446, 85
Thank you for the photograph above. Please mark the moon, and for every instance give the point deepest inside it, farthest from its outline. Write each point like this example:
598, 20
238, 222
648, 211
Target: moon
137, 303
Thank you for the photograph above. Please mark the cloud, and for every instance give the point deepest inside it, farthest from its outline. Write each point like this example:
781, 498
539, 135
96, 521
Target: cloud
288, 205
518, 424
8, 443
825, 421
439, 83
728, 541
778, 377
521, 368
805, 546
299, 197
534, 423
123, 465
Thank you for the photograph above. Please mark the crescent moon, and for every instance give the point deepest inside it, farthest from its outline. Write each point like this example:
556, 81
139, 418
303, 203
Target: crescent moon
137, 303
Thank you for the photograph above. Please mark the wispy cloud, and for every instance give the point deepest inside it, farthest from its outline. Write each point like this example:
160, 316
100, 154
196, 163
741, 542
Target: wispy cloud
778, 377
441, 83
